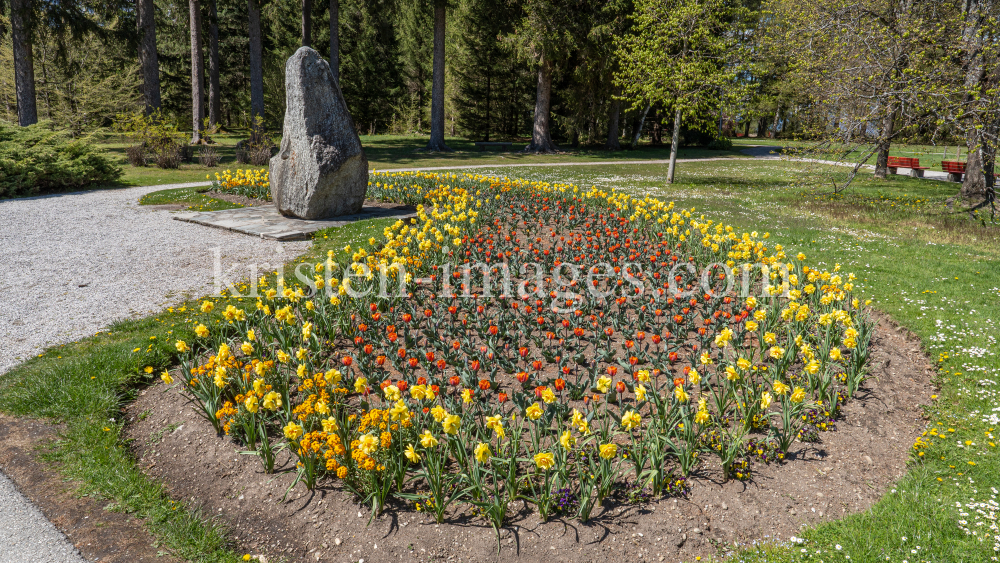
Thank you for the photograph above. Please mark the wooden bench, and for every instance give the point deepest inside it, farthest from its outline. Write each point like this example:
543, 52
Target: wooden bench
954, 168
913, 164
504, 146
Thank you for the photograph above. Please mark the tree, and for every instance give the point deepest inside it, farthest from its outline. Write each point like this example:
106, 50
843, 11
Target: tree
546, 36
416, 58
307, 6
256, 69
214, 88
21, 17
979, 61
683, 54
146, 20
197, 72
335, 39
436, 142
370, 76
874, 69
495, 89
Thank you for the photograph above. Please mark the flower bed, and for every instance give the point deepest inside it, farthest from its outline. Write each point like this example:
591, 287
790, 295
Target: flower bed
607, 364
254, 184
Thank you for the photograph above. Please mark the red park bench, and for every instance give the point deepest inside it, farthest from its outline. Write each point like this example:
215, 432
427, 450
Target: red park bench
913, 164
954, 168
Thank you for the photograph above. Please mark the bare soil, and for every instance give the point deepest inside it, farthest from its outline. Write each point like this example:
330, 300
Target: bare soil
100, 535
846, 472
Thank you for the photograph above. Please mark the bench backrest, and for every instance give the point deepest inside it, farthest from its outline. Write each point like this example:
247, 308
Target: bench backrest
953, 167
903, 162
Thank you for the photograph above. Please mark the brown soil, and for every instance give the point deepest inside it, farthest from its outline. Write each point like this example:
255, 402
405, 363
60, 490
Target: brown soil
846, 472
102, 536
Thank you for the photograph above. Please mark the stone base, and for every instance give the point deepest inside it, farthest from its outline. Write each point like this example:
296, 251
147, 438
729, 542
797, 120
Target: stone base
266, 222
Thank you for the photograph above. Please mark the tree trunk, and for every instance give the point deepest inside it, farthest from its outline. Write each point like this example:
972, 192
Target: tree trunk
146, 12
638, 127
777, 121
256, 71
657, 134
436, 142
541, 132
884, 144
24, 62
197, 72
616, 108
335, 39
214, 90
746, 128
307, 23
974, 182
675, 140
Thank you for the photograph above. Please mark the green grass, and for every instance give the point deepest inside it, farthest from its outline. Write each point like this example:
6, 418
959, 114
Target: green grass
192, 198
396, 151
930, 155
935, 272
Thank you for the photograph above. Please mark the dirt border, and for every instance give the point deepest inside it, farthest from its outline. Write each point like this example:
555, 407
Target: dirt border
99, 535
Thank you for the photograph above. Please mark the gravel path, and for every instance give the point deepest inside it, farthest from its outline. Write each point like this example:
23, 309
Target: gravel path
73, 263
26, 535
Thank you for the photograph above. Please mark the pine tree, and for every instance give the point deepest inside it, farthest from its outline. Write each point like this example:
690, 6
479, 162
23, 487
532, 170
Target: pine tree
495, 89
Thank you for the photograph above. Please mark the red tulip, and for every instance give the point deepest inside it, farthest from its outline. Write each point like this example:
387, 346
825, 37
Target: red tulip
560, 383
522, 376
347, 360
484, 384
620, 387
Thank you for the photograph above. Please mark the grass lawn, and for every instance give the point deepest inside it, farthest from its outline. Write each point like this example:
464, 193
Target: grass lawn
193, 198
935, 272
930, 155
398, 151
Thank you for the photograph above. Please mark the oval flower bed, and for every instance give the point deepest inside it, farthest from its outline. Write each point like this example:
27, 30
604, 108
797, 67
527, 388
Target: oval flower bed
606, 366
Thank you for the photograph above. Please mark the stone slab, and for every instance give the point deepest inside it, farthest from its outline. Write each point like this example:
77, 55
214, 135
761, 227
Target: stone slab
265, 221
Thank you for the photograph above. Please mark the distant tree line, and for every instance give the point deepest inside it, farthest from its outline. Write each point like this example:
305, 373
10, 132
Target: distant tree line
560, 72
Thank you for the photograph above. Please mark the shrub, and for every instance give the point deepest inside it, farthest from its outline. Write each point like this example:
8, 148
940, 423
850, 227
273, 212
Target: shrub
720, 144
136, 155
157, 135
209, 156
169, 157
36, 159
256, 150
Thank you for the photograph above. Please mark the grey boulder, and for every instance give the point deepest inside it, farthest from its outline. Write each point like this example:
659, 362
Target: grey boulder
320, 170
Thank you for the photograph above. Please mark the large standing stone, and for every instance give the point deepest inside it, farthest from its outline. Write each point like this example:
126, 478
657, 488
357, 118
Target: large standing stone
321, 170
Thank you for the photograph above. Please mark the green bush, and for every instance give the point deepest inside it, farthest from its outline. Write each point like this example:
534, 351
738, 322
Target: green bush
720, 144
36, 160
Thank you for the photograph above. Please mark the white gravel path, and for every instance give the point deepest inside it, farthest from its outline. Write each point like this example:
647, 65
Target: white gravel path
25, 534
72, 263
